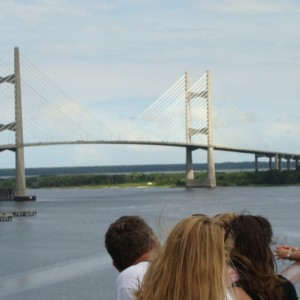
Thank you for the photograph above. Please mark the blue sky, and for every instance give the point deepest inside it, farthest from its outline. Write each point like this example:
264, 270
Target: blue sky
117, 57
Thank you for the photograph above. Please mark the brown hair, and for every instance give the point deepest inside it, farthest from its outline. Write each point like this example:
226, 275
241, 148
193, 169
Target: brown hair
127, 239
253, 258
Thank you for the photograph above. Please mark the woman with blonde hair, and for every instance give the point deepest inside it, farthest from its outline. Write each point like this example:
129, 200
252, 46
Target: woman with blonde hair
192, 264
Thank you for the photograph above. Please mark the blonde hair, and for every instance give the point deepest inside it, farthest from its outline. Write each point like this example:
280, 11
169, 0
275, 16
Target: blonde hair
226, 217
192, 264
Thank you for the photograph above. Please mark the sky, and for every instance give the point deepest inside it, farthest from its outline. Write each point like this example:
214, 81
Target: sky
117, 57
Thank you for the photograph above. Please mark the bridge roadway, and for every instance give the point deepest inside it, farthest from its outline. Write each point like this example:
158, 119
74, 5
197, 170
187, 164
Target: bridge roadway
192, 146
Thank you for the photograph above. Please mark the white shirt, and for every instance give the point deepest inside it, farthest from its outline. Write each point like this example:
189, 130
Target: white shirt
129, 280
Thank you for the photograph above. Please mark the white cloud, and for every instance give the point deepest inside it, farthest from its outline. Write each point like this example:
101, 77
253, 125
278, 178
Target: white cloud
86, 155
283, 130
252, 6
115, 58
39, 10
105, 7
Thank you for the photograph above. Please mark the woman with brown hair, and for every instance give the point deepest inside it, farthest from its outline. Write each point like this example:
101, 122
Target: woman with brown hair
254, 260
192, 264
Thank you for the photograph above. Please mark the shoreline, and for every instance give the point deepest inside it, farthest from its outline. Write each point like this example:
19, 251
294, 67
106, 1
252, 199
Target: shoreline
150, 180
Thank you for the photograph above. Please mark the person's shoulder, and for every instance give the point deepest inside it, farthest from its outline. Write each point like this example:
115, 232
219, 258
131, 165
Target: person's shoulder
129, 280
137, 268
289, 289
284, 279
133, 273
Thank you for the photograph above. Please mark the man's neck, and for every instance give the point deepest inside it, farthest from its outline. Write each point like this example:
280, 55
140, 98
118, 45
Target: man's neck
143, 257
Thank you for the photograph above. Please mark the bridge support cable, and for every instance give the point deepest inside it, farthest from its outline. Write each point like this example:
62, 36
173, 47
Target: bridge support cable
183, 114
50, 115
164, 119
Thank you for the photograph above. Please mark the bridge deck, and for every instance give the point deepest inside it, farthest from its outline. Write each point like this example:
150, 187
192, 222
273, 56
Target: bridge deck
193, 146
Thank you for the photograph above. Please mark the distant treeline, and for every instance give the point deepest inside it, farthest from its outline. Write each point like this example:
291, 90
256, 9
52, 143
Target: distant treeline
241, 178
273, 177
135, 169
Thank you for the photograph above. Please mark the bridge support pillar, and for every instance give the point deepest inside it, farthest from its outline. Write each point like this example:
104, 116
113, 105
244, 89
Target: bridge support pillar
270, 163
276, 162
288, 163
20, 190
210, 180
211, 167
279, 163
256, 163
189, 167
296, 163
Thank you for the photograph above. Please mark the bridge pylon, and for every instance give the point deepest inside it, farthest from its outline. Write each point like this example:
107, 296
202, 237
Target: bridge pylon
17, 127
210, 180
20, 165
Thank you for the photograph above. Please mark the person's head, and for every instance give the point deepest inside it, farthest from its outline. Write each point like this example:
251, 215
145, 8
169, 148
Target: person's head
226, 217
191, 264
253, 258
128, 239
252, 238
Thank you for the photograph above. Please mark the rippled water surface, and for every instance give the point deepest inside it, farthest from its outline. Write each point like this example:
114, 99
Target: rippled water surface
59, 253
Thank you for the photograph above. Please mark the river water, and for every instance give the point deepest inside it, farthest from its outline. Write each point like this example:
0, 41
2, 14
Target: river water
59, 253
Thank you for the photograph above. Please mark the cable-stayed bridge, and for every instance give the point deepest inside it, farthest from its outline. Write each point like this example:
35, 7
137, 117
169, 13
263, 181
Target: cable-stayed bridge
35, 112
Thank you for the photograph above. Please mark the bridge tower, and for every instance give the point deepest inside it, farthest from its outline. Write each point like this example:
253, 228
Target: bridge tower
20, 166
17, 127
193, 96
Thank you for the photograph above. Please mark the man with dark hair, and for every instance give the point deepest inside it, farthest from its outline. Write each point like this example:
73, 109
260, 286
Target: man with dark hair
130, 241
